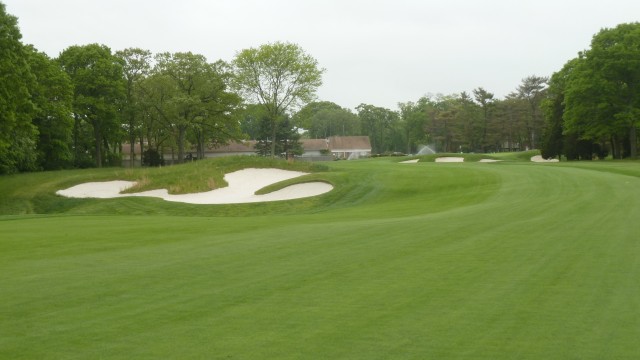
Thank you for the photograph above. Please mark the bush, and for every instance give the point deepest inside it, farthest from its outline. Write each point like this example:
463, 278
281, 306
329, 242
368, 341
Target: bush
151, 157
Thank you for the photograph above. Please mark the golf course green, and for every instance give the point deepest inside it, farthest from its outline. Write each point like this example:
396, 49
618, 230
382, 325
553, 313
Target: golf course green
505, 260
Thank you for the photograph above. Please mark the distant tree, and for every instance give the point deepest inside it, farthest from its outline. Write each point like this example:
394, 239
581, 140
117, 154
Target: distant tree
381, 125
17, 133
469, 124
278, 76
325, 119
442, 125
533, 90
486, 101
99, 90
52, 96
414, 117
452, 122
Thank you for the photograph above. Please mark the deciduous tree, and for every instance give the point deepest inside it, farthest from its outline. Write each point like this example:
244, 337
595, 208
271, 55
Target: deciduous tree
99, 87
324, 119
52, 95
603, 91
195, 98
381, 125
17, 133
279, 76
136, 65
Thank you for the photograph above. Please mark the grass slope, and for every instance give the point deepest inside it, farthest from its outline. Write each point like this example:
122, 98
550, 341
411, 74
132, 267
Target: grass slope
488, 261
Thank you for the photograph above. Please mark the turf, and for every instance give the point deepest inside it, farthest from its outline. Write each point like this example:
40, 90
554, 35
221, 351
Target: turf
466, 260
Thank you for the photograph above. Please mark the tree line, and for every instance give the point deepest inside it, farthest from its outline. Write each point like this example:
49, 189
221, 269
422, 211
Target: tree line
79, 109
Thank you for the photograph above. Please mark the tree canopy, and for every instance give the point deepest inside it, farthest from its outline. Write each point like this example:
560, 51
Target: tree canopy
598, 93
279, 76
99, 87
17, 133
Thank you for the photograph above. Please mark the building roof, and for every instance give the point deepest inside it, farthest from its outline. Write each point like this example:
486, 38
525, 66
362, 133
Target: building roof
347, 143
314, 144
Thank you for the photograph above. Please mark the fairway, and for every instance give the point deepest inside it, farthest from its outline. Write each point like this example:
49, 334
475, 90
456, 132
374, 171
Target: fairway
509, 260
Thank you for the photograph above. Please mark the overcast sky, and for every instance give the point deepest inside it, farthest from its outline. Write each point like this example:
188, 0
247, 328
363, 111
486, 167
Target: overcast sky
376, 52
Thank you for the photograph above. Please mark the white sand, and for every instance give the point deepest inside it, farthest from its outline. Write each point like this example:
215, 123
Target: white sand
242, 187
539, 158
450, 159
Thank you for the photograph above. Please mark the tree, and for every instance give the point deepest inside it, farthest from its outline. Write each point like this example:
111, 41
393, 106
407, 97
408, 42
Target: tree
381, 125
99, 86
136, 64
279, 76
52, 96
325, 119
17, 133
287, 136
486, 102
414, 121
157, 110
532, 90
603, 91
509, 129
219, 122
452, 123
468, 123
194, 97
252, 120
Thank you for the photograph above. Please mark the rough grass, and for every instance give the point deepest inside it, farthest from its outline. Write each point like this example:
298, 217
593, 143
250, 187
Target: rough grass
484, 261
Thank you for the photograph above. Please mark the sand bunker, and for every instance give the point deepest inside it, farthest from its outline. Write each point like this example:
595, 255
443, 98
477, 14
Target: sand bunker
242, 187
539, 158
450, 159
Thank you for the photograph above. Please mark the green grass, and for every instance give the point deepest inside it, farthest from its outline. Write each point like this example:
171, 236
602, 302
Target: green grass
424, 261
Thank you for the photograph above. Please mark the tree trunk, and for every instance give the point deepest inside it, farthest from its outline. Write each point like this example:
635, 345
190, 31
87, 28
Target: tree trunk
274, 125
201, 144
633, 142
76, 137
181, 133
132, 142
141, 147
98, 138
